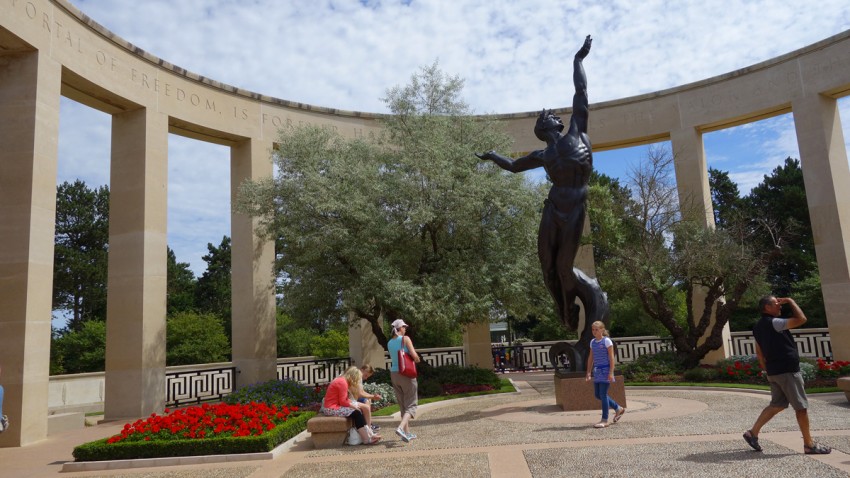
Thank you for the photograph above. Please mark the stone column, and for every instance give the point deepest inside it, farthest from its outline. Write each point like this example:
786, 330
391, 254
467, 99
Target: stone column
29, 115
363, 346
692, 174
254, 329
135, 306
826, 176
476, 345
695, 199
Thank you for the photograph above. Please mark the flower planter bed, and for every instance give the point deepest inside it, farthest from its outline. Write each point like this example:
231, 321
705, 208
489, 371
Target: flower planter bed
203, 430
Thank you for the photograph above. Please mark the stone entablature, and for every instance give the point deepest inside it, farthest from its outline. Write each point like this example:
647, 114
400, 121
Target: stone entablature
110, 74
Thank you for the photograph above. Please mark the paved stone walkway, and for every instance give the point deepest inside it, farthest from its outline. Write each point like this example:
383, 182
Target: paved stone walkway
665, 432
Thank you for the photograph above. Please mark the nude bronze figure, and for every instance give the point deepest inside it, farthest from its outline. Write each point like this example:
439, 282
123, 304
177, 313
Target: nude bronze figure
568, 162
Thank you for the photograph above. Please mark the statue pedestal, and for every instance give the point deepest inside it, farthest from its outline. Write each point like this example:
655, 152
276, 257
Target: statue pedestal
573, 393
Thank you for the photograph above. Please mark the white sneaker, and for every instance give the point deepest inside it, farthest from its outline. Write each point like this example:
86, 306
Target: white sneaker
601, 425
619, 414
404, 437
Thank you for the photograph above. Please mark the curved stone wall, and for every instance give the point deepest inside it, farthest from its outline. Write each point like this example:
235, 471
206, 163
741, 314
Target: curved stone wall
104, 71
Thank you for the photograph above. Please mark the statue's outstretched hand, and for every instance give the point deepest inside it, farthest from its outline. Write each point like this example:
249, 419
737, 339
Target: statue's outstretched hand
486, 156
585, 49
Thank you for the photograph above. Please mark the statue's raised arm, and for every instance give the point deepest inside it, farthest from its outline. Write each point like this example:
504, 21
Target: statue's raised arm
578, 122
585, 49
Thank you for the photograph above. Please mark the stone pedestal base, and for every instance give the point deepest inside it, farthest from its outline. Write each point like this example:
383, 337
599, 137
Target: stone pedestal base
573, 393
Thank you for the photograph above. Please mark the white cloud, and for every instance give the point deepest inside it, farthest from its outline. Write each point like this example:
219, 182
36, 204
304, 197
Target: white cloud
346, 53
514, 56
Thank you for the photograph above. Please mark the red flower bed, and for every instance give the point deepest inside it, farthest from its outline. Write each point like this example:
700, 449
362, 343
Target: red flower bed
743, 371
834, 369
206, 421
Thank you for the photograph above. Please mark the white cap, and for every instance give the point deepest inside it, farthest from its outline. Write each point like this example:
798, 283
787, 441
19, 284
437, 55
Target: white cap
398, 323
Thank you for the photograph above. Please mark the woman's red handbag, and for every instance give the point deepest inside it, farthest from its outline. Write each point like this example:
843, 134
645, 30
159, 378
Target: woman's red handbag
406, 365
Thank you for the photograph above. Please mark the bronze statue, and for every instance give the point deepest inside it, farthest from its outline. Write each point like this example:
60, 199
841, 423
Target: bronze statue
568, 161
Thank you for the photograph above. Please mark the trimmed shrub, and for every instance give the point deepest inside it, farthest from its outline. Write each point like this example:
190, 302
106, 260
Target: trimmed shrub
642, 368
445, 380
381, 375
809, 370
290, 393
434, 380
699, 374
429, 388
738, 368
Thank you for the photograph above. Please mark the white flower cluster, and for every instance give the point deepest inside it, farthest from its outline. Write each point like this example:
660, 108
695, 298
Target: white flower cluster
384, 390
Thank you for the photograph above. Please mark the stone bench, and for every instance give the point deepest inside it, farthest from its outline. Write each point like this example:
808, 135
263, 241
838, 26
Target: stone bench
843, 384
329, 432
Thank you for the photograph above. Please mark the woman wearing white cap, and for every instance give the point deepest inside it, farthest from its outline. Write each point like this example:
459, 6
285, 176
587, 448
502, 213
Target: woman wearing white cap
4, 420
406, 388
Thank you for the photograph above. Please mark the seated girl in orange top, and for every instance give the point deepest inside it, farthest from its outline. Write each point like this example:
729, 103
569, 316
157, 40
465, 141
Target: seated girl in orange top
337, 403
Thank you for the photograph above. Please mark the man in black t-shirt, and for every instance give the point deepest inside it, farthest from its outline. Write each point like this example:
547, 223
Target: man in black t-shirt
777, 354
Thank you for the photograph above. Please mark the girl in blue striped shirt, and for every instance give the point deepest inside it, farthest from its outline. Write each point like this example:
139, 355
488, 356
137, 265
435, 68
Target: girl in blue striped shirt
600, 368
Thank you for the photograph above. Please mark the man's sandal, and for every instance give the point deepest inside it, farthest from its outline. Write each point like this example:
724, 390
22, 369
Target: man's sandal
817, 449
752, 440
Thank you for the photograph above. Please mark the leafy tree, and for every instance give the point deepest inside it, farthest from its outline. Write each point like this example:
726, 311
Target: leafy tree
540, 328
293, 340
333, 343
212, 292
629, 319
181, 286
79, 351
781, 199
403, 223
439, 332
808, 295
609, 203
662, 251
193, 338
80, 253
725, 198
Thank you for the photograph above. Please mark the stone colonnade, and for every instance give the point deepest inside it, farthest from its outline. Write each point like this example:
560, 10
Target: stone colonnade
50, 49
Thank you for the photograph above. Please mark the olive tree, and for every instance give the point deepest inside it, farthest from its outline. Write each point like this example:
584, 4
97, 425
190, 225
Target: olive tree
662, 250
405, 223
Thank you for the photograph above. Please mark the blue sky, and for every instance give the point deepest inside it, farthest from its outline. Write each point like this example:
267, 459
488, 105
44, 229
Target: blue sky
514, 56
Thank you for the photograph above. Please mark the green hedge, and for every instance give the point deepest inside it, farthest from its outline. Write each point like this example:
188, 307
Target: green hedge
432, 380
99, 450
286, 392
660, 363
